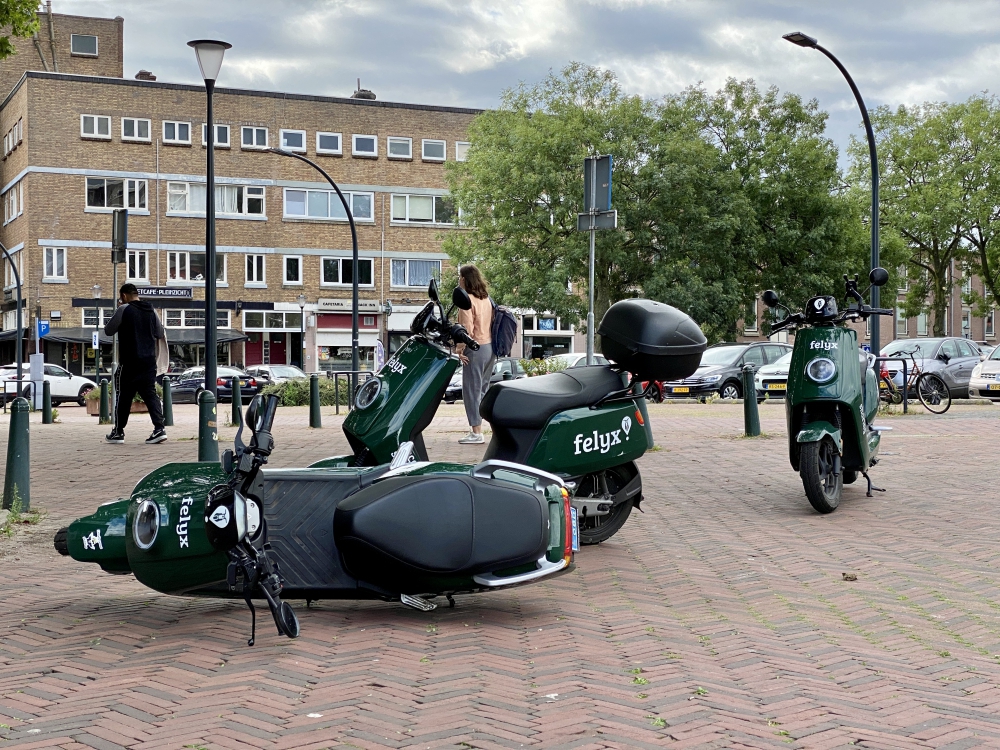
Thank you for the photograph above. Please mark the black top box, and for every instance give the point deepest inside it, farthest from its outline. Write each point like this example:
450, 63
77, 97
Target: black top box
652, 340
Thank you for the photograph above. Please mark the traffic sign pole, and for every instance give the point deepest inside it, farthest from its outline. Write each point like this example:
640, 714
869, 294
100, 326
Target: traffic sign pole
593, 237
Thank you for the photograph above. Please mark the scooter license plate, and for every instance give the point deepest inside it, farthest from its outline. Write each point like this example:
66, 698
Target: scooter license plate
684, 389
575, 530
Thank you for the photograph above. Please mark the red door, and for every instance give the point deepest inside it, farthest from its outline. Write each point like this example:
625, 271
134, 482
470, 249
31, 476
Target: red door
277, 349
254, 349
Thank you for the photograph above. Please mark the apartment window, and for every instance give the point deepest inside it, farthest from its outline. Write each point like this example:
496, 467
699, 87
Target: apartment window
437, 209
922, 324
135, 129
255, 269
990, 330
13, 203
901, 325
904, 279
95, 126
966, 280
55, 263
292, 273
329, 143
326, 204
254, 138
461, 150
415, 272
399, 148
90, 316
293, 140
221, 135
83, 44
230, 200
966, 322
364, 145
338, 272
13, 137
106, 193
184, 266
177, 132
138, 265
194, 318
750, 317
433, 150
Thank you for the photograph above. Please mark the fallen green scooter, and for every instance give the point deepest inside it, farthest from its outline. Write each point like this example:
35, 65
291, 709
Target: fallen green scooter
832, 394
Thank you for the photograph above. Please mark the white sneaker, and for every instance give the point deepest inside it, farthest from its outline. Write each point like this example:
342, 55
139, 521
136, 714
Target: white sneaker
472, 439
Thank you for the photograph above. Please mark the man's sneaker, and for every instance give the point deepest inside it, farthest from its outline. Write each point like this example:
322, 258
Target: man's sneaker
115, 437
158, 436
473, 438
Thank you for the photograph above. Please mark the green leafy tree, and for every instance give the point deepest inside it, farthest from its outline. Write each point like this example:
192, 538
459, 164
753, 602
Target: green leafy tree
18, 18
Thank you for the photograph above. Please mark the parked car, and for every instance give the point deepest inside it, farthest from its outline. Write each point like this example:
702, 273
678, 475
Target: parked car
578, 360
772, 380
276, 373
64, 386
721, 368
191, 383
951, 358
503, 365
985, 379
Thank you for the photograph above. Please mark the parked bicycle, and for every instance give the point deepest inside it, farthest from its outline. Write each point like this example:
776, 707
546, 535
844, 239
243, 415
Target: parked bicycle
928, 387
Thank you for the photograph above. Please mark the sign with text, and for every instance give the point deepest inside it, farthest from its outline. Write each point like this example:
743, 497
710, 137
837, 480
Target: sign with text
364, 305
95, 339
165, 292
43, 328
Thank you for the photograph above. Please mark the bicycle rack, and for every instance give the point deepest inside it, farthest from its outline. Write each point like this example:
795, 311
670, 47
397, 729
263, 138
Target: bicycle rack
904, 360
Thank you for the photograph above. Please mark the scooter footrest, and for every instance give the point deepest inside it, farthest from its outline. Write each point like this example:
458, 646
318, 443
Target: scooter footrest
417, 602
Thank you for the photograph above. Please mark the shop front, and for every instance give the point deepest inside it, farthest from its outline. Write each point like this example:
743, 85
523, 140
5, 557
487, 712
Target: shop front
273, 337
399, 325
333, 334
545, 336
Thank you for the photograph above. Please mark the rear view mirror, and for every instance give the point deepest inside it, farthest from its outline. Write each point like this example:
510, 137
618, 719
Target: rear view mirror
460, 299
770, 298
432, 291
878, 277
251, 413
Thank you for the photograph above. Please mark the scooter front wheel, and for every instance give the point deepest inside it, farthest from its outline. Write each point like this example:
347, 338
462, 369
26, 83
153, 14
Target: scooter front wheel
817, 466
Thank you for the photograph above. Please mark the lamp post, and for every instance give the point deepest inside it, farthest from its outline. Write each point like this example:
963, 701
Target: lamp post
804, 40
95, 290
209, 53
302, 320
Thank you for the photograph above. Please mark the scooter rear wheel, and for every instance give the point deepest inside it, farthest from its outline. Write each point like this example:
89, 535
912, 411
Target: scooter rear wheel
817, 462
597, 529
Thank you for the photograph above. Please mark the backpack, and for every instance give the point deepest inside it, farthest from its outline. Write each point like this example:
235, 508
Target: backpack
503, 330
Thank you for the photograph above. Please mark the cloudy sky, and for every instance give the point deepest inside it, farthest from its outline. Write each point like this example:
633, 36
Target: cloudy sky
464, 52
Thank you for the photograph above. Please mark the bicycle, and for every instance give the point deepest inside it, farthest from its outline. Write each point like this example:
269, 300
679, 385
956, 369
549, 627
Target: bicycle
929, 387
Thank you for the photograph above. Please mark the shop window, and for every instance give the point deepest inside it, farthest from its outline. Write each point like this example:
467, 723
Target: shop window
95, 126
329, 143
338, 272
135, 129
107, 194
415, 273
528, 322
272, 321
184, 266
55, 264
326, 204
193, 318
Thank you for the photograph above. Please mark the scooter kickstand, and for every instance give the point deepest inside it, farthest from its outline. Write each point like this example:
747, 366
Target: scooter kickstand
417, 602
451, 601
870, 485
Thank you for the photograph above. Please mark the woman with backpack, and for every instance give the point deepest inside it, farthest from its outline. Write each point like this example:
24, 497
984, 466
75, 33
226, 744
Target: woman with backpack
477, 366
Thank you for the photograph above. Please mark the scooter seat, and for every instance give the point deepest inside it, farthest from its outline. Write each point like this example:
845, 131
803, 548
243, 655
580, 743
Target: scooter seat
528, 403
400, 533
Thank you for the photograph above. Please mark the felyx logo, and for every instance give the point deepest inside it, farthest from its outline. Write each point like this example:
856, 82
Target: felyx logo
827, 345
396, 366
599, 442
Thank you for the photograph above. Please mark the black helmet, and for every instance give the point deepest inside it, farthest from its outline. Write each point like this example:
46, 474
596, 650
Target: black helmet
821, 309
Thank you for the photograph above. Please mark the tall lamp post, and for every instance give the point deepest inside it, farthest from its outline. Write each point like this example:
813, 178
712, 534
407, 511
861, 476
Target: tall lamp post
95, 290
209, 53
804, 40
302, 321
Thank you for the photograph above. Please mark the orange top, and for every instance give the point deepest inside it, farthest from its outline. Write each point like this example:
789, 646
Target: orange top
477, 321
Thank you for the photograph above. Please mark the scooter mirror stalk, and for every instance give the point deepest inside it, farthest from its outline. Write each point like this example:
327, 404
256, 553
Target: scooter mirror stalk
460, 299
432, 291
251, 414
878, 277
770, 298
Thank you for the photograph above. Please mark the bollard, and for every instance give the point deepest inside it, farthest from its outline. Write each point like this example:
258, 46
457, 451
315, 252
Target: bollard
168, 404
105, 417
751, 417
237, 400
208, 432
315, 420
508, 375
17, 480
46, 403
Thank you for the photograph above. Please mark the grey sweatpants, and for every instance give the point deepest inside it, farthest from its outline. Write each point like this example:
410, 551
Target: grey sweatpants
476, 380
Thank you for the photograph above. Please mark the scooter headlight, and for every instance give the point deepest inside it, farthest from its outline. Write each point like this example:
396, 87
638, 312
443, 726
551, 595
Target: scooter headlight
147, 523
367, 393
821, 370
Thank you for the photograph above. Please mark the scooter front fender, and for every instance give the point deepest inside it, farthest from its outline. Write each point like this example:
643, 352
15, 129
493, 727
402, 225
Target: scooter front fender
816, 431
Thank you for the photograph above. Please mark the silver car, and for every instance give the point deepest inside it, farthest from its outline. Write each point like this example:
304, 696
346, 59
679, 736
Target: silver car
985, 380
953, 359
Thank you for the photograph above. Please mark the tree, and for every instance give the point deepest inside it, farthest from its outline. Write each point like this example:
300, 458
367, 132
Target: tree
20, 18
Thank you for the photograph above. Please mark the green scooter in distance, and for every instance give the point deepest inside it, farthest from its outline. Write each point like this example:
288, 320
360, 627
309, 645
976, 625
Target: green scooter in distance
832, 394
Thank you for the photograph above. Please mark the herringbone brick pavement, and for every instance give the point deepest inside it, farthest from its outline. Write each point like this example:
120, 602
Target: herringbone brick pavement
719, 617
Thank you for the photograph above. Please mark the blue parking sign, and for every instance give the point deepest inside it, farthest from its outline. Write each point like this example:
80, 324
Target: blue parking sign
43, 328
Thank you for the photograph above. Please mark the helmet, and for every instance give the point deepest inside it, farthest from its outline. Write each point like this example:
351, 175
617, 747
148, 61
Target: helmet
821, 309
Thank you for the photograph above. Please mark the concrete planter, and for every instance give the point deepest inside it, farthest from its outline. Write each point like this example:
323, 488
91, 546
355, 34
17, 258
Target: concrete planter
94, 407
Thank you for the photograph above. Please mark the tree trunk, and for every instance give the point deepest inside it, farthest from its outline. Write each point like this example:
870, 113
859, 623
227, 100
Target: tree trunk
939, 301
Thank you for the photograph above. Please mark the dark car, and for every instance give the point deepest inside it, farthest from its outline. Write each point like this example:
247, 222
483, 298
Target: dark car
721, 368
951, 358
510, 365
191, 382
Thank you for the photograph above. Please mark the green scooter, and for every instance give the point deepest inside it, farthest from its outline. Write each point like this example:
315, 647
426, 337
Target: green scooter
832, 395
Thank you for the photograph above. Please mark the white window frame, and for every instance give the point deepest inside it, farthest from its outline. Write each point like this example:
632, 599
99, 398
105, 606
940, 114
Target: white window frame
747, 327
106, 314
408, 285
130, 187
255, 283
299, 149
989, 326
922, 323
418, 222
136, 138
176, 124
97, 46
284, 270
331, 195
461, 155
185, 255
56, 277
423, 150
363, 154
330, 151
184, 188
902, 324
218, 143
399, 139
340, 272
13, 203
96, 135
255, 146
144, 254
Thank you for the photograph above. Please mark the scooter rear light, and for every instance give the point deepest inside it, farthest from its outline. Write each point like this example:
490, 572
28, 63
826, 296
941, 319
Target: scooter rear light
639, 419
568, 532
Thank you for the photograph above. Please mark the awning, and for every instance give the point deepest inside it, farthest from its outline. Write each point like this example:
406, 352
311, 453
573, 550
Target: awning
174, 335
11, 335
344, 339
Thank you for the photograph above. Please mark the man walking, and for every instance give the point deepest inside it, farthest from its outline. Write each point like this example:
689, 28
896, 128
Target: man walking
138, 329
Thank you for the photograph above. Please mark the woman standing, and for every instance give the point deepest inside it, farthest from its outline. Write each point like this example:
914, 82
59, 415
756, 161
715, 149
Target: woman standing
477, 366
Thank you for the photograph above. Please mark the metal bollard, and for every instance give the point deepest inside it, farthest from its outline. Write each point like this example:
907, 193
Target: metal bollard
208, 432
46, 403
751, 417
237, 399
168, 404
105, 417
315, 420
17, 480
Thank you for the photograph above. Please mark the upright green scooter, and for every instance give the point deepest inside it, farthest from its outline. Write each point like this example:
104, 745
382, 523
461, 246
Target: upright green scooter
832, 394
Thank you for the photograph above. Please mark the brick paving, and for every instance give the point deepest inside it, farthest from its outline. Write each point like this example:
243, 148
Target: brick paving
717, 618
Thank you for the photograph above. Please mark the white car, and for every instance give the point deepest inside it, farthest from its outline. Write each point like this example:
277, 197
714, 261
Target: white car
63, 385
276, 373
578, 360
772, 379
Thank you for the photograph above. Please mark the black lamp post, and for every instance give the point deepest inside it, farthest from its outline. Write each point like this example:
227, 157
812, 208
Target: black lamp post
209, 53
95, 290
302, 330
804, 40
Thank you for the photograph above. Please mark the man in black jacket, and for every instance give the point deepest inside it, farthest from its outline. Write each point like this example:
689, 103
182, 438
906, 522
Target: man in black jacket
138, 328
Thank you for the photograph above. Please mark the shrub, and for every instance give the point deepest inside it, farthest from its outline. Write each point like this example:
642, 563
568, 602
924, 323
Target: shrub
296, 392
542, 366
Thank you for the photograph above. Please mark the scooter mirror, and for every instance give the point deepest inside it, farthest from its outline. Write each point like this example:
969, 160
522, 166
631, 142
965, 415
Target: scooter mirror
432, 291
460, 299
770, 298
878, 277
251, 413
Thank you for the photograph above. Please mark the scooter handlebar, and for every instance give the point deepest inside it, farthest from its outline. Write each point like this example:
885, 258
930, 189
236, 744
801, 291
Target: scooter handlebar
461, 336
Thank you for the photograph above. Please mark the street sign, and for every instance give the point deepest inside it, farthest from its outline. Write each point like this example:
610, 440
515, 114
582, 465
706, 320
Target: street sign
597, 197
166, 292
597, 215
95, 339
602, 220
43, 328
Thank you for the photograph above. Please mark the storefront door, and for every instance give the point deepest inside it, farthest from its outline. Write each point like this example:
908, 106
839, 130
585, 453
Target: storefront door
254, 348
278, 349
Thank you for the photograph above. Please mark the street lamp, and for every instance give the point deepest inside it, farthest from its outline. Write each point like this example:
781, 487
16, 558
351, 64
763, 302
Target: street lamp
302, 321
804, 40
209, 53
95, 290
